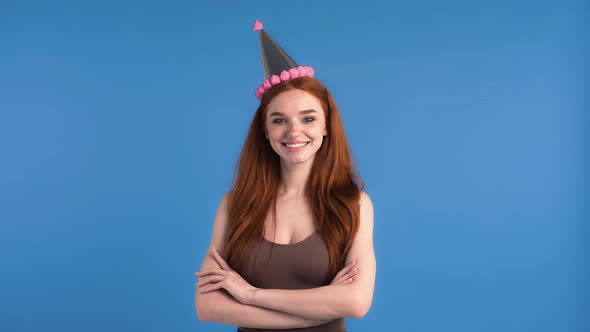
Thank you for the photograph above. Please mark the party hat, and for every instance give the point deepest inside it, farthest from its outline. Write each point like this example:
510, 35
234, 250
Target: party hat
277, 65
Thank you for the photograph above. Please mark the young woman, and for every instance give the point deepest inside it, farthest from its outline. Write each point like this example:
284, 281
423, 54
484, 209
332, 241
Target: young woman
292, 243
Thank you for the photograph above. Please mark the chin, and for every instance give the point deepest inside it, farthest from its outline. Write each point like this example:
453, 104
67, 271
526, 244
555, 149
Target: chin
298, 160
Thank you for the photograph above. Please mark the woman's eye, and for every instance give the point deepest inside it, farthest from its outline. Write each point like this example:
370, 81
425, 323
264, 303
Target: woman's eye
278, 121
308, 119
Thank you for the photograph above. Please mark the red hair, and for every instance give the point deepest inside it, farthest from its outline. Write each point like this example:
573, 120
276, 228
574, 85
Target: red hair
333, 189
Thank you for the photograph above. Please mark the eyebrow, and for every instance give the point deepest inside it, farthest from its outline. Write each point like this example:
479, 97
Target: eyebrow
302, 112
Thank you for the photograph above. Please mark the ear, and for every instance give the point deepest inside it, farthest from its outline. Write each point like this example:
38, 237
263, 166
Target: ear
326, 131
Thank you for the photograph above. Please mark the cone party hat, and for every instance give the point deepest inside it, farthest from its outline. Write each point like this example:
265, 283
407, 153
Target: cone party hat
277, 65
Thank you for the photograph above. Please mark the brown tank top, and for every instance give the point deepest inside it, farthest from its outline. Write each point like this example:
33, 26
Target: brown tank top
300, 265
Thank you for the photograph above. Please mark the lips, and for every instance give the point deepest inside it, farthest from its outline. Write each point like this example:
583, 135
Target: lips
295, 145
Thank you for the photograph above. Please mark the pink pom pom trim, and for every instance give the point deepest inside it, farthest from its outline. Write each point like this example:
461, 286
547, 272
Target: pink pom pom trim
284, 76
274, 80
258, 25
293, 72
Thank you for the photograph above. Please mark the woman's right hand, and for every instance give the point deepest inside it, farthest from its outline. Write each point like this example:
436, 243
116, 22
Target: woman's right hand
346, 275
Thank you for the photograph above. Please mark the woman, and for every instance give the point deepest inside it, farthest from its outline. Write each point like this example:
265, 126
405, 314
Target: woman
292, 244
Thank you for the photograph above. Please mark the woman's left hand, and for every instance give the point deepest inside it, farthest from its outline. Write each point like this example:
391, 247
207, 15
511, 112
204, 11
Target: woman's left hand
226, 278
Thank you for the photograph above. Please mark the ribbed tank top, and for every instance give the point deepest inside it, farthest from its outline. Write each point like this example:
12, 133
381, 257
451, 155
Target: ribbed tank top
301, 265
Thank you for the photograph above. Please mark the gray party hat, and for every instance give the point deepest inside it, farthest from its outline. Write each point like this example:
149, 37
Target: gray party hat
277, 65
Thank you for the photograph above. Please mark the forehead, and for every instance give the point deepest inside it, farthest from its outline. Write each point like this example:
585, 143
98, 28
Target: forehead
294, 101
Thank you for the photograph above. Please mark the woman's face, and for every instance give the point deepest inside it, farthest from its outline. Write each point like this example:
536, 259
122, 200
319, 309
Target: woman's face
295, 126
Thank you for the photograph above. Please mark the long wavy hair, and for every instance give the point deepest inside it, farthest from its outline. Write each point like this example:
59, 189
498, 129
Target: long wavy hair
333, 190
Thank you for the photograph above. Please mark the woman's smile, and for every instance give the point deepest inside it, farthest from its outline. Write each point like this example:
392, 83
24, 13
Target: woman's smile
295, 146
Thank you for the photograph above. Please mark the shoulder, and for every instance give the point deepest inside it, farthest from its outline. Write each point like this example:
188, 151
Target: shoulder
220, 224
222, 208
365, 199
365, 202
225, 200
366, 210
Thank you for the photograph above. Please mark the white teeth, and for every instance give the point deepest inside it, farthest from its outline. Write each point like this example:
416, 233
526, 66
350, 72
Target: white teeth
295, 145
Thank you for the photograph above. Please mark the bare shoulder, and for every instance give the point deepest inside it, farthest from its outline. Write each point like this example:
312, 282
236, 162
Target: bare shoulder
223, 203
220, 224
366, 206
222, 212
366, 200
366, 214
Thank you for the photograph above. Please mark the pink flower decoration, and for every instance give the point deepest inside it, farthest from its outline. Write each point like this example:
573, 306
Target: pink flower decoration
285, 75
293, 73
258, 25
302, 71
274, 80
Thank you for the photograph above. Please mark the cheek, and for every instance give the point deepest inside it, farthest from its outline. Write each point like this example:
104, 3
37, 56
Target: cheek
269, 132
320, 130
273, 134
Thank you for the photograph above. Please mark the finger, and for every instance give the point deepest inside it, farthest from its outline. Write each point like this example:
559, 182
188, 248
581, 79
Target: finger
340, 282
210, 288
344, 281
348, 275
349, 266
340, 273
212, 271
212, 276
207, 280
352, 263
344, 272
352, 272
346, 269
220, 260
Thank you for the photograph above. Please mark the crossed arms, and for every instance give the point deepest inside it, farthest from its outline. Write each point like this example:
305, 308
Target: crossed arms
244, 305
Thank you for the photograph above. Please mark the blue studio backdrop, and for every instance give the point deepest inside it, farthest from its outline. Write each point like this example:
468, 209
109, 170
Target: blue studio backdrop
121, 124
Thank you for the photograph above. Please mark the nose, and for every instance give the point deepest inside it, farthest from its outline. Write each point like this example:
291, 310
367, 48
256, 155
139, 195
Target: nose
294, 129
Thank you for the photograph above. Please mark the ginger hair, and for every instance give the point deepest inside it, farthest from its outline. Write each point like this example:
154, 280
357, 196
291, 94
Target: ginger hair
333, 189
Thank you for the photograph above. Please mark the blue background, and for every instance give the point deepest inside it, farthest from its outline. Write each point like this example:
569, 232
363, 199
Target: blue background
121, 123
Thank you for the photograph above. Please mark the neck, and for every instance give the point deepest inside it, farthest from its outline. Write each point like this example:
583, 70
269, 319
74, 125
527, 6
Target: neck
294, 179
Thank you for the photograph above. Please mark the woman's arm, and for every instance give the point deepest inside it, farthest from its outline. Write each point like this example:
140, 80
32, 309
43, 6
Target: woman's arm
352, 299
330, 302
219, 306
